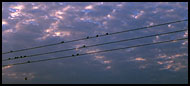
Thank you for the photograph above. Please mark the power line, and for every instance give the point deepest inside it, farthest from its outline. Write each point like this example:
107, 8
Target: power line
93, 37
95, 52
84, 46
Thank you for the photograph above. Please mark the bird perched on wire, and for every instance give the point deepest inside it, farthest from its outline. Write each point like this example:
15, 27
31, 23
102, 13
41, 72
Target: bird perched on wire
83, 46
25, 78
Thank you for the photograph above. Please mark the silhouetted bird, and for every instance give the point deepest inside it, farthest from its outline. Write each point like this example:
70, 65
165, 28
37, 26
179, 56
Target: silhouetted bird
97, 35
84, 46
25, 78
106, 33
87, 37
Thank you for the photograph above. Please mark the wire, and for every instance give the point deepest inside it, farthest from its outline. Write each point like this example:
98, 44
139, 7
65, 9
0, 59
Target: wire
84, 46
92, 37
95, 52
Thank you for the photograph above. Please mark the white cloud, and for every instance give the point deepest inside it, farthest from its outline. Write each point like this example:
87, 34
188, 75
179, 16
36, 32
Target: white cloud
89, 7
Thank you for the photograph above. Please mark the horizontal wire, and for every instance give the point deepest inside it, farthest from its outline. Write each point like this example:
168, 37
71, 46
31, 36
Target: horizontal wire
95, 52
93, 37
84, 46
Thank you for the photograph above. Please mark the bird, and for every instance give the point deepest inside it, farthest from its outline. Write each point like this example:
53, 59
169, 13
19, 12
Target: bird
87, 37
84, 46
25, 78
62, 42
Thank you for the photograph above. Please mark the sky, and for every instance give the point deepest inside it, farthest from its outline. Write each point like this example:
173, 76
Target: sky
30, 24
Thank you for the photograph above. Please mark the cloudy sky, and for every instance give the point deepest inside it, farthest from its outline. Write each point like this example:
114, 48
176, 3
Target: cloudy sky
26, 25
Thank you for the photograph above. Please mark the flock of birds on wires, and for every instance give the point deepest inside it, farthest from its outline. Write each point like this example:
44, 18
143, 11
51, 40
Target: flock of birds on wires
87, 46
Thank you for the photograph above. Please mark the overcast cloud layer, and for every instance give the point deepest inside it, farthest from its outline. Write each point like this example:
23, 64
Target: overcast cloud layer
26, 25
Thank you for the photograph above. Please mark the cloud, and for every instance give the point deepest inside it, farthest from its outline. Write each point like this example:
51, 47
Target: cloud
39, 23
107, 62
4, 22
6, 67
89, 7
172, 62
99, 57
140, 59
138, 15
108, 67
